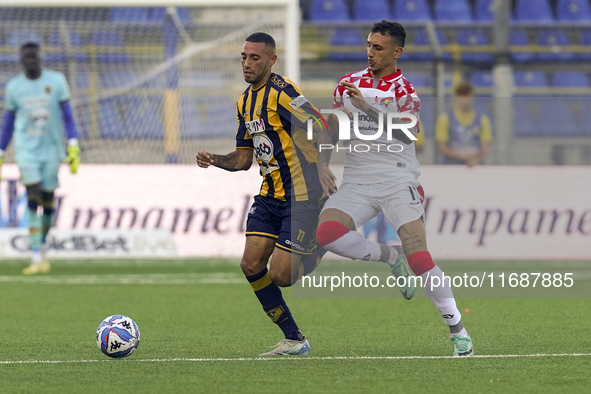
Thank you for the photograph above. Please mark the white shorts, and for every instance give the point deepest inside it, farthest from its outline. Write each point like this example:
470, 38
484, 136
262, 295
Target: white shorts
401, 202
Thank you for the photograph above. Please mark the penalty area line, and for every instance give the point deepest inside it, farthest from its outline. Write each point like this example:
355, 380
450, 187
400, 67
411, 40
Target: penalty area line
164, 360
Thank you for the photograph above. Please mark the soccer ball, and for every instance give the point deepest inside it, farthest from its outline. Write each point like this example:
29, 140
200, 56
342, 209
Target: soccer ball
118, 336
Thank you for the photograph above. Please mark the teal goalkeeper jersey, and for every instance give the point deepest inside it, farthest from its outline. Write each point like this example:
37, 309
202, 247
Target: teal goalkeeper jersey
38, 127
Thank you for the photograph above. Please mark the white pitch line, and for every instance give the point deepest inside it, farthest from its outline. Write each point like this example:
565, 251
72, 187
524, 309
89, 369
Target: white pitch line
98, 262
162, 360
127, 279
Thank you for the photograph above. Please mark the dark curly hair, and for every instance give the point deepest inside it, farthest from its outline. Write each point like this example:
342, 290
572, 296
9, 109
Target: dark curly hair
390, 29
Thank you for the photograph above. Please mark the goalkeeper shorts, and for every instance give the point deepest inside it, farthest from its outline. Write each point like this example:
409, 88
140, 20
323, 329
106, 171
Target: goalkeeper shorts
44, 172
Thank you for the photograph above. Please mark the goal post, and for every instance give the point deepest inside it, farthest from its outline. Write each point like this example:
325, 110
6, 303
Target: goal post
291, 8
150, 92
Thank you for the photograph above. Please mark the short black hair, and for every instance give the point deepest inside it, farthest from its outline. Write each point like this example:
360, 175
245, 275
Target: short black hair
262, 37
30, 44
390, 29
464, 89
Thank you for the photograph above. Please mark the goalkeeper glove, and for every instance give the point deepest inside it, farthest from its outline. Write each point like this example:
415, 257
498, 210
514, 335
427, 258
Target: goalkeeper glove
73, 158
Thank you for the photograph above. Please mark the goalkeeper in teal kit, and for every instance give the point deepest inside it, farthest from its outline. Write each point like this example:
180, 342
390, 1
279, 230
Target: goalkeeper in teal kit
37, 114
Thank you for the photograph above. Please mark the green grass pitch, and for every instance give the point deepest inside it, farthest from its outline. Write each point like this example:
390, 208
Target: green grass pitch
202, 327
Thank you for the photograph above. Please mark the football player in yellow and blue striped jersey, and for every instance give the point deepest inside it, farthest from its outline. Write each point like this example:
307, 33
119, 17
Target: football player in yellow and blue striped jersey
272, 115
271, 120
464, 134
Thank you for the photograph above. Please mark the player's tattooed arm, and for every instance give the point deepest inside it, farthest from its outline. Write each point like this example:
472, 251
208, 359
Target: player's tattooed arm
239, 160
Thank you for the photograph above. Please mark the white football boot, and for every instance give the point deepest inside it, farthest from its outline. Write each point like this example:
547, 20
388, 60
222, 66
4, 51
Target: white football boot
290, 347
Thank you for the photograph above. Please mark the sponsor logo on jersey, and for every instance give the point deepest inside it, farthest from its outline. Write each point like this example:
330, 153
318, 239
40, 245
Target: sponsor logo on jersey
38, 119
263, 148
35, 102
298, 102
386, 101
255, 126
363, 117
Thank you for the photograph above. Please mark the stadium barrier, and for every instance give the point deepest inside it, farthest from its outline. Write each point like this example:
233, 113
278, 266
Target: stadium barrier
483, 213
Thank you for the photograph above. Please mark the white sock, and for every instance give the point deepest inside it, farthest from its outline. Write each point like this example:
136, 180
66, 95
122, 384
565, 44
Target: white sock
393, 255
442, 296
37, 258
355, 246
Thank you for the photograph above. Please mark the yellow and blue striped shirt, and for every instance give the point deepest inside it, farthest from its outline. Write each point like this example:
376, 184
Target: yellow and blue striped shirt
272, 121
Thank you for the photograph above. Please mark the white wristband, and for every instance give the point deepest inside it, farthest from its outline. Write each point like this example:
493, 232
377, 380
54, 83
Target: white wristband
73, 142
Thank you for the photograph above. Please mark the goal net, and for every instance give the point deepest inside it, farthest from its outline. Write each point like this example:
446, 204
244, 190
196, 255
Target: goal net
149, 84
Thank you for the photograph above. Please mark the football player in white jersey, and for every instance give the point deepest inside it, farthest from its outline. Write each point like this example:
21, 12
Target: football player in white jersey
381, 176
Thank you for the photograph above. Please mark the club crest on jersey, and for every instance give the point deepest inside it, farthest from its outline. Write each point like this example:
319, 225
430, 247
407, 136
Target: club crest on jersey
259, 111
47, 89
255, 126
263, 148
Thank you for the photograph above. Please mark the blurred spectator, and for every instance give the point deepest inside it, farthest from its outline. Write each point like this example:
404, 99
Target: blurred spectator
420, 142
463, 134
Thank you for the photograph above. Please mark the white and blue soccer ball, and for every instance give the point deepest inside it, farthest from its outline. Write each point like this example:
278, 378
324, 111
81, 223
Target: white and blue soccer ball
118, 336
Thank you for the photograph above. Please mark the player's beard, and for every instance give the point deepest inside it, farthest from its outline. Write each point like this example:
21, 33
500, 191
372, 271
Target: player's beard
251, 78
377, 68
373, 69
254, 79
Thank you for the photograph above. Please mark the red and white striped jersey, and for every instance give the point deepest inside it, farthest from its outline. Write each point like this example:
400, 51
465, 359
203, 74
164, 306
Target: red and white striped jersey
382, 160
